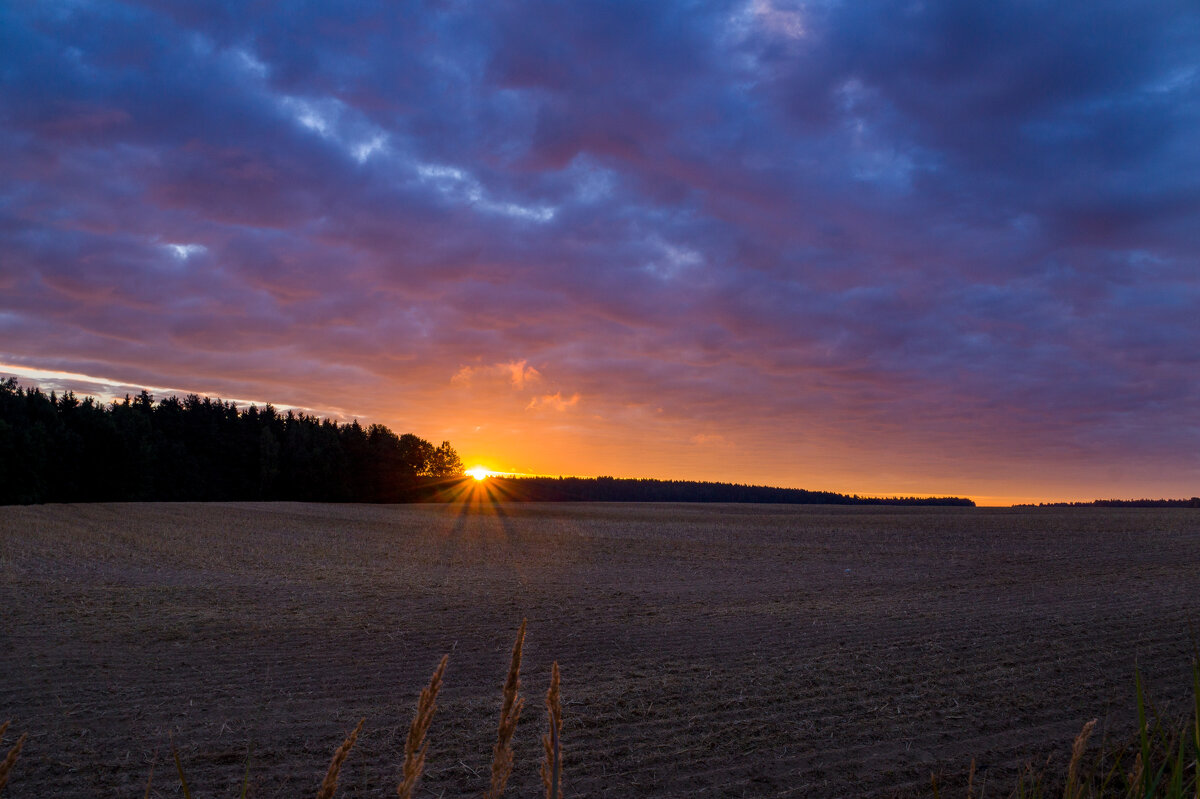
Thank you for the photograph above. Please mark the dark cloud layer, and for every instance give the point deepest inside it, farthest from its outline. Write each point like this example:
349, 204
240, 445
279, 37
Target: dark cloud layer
931, 246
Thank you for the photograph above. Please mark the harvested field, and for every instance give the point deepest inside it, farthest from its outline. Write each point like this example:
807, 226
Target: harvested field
706, 650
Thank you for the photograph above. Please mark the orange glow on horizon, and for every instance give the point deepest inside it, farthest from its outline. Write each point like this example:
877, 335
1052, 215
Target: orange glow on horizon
480, 473
494, 420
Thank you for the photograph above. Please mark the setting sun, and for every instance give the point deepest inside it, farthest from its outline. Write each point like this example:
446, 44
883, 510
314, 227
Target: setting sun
478, 472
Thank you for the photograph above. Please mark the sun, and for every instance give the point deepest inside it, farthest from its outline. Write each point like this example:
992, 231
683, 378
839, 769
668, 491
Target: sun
478, 472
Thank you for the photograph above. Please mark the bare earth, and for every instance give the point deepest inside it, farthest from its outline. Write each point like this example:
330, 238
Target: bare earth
706, 650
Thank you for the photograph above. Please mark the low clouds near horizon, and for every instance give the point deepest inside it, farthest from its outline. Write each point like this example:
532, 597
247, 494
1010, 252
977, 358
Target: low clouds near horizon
927, 247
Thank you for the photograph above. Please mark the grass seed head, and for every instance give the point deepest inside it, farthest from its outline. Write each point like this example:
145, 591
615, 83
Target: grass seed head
10, 760
510, 712
329, 784
1074, 790
415, 746
552, 740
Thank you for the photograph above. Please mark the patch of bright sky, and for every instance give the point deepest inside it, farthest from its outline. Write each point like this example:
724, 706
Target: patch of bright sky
183, 252
781, 21
309, 115
675, 259
555, 402
59, 378
249, 62
328, 118
767, 16
365, 150
456, 184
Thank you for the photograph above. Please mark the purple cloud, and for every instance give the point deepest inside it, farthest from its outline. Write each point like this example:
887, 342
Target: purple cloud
877, 247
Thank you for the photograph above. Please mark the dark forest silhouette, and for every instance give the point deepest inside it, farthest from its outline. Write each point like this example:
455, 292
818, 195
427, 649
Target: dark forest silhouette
613, 489
65, 449
1194, 502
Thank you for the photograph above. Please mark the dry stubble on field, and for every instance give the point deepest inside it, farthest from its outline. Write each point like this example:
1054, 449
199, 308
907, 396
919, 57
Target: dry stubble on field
706, 650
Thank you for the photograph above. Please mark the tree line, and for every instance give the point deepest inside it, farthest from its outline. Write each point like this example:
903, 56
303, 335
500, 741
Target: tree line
62, 448
1194, 502
612, 489
66, 449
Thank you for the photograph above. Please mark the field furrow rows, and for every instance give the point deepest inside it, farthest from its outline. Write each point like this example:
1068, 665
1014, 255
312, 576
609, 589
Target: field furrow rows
712, 651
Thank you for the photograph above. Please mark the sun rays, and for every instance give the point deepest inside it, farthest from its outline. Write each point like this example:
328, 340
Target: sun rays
478, 489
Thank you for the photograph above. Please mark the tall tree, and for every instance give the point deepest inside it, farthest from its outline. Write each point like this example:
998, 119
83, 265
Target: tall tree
445, 462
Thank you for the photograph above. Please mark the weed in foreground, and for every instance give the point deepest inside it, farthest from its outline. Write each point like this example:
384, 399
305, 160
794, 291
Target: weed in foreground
510, 712
1161, 761
8, 762
416, 746
552, 740
329, 784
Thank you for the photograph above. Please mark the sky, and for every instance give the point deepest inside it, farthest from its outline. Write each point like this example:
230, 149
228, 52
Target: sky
879, 248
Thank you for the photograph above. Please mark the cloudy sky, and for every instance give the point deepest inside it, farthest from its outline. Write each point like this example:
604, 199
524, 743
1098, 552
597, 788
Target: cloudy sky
924, 247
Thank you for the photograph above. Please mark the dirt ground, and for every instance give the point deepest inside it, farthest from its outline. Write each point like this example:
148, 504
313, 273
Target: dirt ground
706, 650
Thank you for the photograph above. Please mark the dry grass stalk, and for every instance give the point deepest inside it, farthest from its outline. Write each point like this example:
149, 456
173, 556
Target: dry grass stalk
971, 781
415, 746
150, 779
183, 783
552, 740
1074, 790
329, 785
7, 765
1135, 776
510, 711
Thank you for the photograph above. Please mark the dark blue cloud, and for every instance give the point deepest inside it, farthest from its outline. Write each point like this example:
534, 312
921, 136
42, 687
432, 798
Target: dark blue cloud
958, 237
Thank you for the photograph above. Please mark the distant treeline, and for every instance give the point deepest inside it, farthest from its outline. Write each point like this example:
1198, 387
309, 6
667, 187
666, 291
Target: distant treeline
65, 449
1194, 502
611, 489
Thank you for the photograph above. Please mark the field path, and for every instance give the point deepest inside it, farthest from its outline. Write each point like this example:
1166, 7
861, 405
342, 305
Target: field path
706, 650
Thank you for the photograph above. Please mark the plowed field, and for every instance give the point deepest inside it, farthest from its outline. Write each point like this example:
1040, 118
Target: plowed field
706, 650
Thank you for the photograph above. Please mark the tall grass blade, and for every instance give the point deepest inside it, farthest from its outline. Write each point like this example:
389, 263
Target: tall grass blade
510, 711
552, 740
1143, 733
150, 779
10, 759
1135, 776
329, 784
1022, 790
1110, 776
246, 776
187, 792
1158, 775
1175, 789
415, 746
1074, 790
1196, 722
